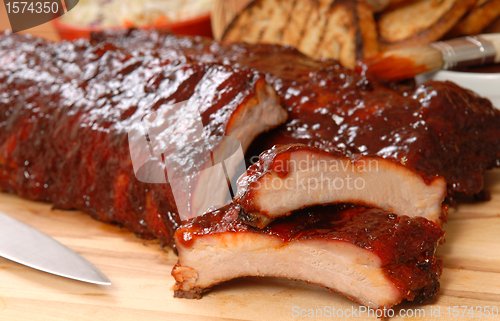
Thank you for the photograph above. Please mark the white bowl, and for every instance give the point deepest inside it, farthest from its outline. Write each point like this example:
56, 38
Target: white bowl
484, 84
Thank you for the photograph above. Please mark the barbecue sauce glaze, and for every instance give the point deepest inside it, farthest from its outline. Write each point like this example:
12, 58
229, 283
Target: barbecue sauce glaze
405, 245
65, 110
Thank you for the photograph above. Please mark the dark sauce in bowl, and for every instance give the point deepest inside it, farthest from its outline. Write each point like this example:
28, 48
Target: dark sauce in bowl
494, 68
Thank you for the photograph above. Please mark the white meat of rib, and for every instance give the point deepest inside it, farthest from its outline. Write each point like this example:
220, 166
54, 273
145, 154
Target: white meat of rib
338, 265
315, 177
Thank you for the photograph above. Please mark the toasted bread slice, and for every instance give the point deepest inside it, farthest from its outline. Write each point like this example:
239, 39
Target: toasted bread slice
262, 21
342, 29
223, 12
314, 29
250, 23
481, 15
299, 17
240, 24
420, 23
279, 19
350, 33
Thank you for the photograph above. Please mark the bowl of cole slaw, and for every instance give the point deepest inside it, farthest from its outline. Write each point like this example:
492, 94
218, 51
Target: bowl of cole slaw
183, 17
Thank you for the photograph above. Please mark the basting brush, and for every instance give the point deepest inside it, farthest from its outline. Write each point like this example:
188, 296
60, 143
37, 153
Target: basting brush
406, 63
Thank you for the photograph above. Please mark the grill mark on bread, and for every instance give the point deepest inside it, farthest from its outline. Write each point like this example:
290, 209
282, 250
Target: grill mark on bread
257, 28
278, 18
325, 15
231, 33
289, 18
325, 46
359, 36
342, 30
287, 36
349, 32
238, 26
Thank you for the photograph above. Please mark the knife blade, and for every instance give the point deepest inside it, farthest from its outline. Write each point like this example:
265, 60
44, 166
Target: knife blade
25, 245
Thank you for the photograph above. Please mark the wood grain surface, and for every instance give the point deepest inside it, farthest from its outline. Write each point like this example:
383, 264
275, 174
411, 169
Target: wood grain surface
142, 285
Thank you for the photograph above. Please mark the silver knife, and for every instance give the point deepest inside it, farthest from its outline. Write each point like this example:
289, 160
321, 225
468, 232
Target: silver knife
25, 245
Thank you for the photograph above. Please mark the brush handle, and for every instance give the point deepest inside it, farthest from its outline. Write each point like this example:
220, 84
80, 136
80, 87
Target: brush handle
494, 38
471, 50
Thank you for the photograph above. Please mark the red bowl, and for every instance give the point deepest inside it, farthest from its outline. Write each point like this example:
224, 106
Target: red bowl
198, 26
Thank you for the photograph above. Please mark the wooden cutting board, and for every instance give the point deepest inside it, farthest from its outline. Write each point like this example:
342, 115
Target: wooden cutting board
142, 285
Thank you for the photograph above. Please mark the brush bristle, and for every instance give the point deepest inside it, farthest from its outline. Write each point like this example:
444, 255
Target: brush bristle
401, 64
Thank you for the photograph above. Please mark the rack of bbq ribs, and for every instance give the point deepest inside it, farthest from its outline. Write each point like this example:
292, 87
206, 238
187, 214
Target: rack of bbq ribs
66, 110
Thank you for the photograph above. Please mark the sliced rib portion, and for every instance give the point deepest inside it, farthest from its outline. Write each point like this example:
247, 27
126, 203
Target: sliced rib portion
66, 110
437, 128
291, 177
374, 257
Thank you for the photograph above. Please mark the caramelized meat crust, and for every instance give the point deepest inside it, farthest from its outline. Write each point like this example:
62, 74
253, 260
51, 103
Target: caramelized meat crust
437, 128
291, 177
385, 258
66, 110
